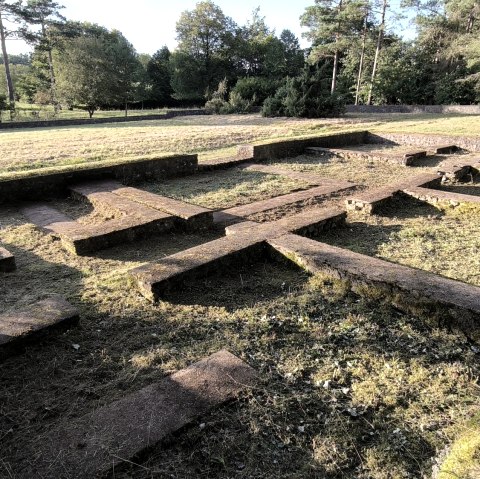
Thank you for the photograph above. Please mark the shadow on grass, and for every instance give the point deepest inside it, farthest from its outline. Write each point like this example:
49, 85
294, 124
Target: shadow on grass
290, 426
367, 422
406, 207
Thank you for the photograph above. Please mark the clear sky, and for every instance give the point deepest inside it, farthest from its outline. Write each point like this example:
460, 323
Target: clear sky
150, 24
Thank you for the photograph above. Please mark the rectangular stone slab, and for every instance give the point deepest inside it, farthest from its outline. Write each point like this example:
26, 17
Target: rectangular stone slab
118, 432
101, 196
24, 325
7, 261
116, 232
81, 239
308, 222
407, 288
288, 199
445, 149
192, 216
154, 280
370, 200
436, 197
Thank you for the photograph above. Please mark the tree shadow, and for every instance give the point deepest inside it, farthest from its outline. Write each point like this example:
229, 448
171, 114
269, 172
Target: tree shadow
240, 285
153, 249
403, 206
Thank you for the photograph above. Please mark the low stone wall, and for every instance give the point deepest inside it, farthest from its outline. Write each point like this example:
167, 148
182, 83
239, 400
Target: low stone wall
463, 109
470, 143
292, 148
98, 121
43, 185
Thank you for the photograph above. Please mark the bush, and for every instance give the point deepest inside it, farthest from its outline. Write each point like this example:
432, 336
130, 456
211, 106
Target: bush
255, 89
303, 96
218, 103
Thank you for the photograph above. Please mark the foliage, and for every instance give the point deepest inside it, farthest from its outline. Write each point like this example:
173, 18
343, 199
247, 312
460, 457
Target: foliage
255, 89
304, 96
98, 68
205, 36
223, 103
159, 77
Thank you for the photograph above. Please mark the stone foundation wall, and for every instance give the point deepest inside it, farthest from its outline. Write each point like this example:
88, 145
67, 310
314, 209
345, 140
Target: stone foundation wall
471, 143
464, 109
98, 121
292, 148
47, 185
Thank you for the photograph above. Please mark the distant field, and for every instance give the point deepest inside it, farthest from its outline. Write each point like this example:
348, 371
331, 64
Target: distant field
210, 136
27, 112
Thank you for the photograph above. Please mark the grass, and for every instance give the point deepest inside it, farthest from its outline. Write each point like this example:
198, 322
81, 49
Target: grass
225, 189
33, 112
463, 457
417, 235
350, 388
211, 137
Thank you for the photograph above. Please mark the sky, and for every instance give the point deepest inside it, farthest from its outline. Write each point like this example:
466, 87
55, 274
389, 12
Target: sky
150, 24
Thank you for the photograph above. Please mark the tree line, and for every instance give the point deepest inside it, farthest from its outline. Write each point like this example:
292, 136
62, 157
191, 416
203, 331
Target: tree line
355, 57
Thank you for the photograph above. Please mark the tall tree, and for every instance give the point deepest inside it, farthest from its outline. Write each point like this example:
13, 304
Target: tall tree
97, 68
45, 14
294, 57
332, 24
159, 77
381, 33
8, 11
205, 36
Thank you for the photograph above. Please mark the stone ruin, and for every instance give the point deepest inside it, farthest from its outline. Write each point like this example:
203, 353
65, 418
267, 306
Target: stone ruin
166, 406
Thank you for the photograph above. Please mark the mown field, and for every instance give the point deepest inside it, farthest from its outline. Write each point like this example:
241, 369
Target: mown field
210, 136
350, 388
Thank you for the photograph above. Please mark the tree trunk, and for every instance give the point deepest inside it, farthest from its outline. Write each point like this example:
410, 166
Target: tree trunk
362, 58
335, 70
377, 52
53, 83
336, 55
91, 110
471, 20
126, 108
10, 90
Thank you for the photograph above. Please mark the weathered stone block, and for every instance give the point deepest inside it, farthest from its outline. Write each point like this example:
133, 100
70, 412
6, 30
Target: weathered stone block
105, 438
25, 325
450, 302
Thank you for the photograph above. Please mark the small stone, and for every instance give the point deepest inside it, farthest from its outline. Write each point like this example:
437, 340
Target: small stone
76, 346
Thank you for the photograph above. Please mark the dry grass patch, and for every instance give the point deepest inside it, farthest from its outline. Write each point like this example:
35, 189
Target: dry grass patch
347, 392
363, 172
417, 235
38, 148
226, 188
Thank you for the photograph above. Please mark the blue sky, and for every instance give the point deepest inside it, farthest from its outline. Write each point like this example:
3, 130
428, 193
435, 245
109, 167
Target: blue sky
150, 24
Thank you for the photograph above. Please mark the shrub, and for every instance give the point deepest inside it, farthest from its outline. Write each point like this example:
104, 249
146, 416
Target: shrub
222, 103
304, 96
255, 89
